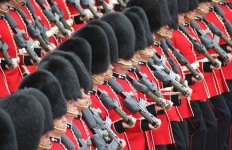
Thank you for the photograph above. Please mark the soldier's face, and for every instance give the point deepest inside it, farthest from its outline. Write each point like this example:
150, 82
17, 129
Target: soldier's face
72, 108
3, 7
189, 16
60, 125
84, 102
109, 73
163, 31
135, 59
146, 53
98, 79
45, 143
181, 18
203, 8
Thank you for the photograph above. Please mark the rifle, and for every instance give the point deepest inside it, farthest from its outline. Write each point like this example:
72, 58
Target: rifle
143, 89
3, 50
42, 28
227, 23
217, 32
33, 30
55, 9
200, 48
106, 127
105, 6
167, 79
209, 43
132, 105
54, 18
67, 142
87, 4
20, 39
95, 123
83, 144
76, 4
112, 104
151, 86
183, 61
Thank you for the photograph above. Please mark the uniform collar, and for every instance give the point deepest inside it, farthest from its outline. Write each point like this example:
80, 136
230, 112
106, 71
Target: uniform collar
186, 24
211, 9
156, 43
132, 69
12, 8
94, 92
79, 116
223, 3
117, 75
143, 63
69, 125
2, 17
198, 18
55, 139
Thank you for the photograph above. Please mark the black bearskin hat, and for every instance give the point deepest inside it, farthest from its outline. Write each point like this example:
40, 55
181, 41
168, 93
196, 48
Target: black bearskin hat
183, 6
124, 32
80, 47
193, 4
204, 1
100, 47
140, 34
7, 137
142, 15
113, 43
4, 1
165, 15
173, 11
28, 116
152, 10
65, 74
48, 121
50, 87
82, 74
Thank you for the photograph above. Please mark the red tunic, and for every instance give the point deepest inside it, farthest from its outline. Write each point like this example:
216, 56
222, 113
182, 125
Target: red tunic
218, 76
186, 48
72, 137
163, 135
44, 21
214, 18
3, 84
136, 136
113, 115
56, 144
85, 131
13, 77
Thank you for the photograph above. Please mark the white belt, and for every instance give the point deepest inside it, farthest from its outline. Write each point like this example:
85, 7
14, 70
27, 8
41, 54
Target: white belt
166, 89
195, 65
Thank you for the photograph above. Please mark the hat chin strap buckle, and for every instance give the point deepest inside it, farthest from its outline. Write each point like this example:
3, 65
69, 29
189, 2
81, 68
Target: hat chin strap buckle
60, 128
74, 112
45, 146
123, 62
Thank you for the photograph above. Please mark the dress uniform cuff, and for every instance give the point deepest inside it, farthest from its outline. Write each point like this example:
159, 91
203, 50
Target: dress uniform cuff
206, 67
160, 112
119, 127
27, 61
144, 125
151, 109
3, 64
38, 51
77, 19
175, 99
224, 47
188, 77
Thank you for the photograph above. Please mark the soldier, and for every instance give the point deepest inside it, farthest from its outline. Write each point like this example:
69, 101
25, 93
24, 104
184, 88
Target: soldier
43, 81
27, 115
126, 41
9, 77
99, 67
8, 137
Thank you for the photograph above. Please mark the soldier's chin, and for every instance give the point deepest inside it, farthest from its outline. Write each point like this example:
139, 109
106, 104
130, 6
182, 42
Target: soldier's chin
108, 75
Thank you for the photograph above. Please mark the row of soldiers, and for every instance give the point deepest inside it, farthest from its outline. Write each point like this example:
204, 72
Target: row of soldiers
107, 75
